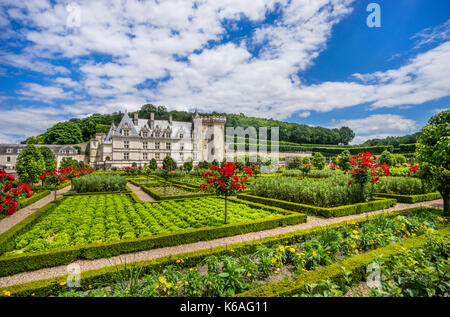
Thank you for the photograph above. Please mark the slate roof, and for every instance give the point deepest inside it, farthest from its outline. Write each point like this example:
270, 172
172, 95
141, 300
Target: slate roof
56, 149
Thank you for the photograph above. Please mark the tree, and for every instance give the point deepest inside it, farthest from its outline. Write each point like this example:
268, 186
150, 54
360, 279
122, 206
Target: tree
433, 154
30, 164
49, 158
68, 161
225, 181
169, 161
346, 135
168, 169
318, 161
385, 157
64, 133
153, 164
343, 160
188, 165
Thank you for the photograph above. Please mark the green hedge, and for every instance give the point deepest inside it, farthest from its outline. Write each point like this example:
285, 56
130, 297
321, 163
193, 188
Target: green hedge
107, 274
377, 204
157, 196
28, 201
13, 264
407, 148
357, 265
411, 199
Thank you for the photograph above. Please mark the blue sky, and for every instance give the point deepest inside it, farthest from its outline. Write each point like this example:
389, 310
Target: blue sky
308, 61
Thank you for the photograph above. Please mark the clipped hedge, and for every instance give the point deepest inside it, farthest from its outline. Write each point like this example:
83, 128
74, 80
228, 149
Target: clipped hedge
377, 204
107, 274
158, 196
411, 199
28, 201
356, 264
16, 263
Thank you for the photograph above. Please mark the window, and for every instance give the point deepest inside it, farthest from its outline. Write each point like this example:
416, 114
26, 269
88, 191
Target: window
156, 145
144, 134
126, 144
168, 145
8, 150
157, 156
195, 156
157, 134
126, 156
181, 146
145, 145
181, 135
8, 159
125, 132
145, 156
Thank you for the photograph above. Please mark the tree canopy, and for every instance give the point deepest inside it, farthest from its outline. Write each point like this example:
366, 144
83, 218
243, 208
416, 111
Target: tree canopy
49, 158
30, 164
433, 154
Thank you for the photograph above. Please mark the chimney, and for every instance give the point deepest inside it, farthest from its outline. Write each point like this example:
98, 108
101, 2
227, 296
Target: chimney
170, 119
135, 118
152, 120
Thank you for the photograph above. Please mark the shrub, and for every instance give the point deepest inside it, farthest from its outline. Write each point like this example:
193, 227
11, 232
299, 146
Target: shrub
318, 161
99, 183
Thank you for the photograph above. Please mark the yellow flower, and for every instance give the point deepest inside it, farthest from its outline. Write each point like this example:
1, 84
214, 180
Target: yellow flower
186, 283
292, 249
178, 261
179, 282
249, 274
195, 292
182, 261
276, 272
314, 253
32, 294
126, 292
355, 231
7, 293
190, 269
62, 283
210, 283
105, 295
90, 286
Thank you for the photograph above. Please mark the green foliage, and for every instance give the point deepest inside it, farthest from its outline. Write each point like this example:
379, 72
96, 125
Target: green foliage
398, 159
343, 161
339, 211
153, 164
318, 161
401, 186
188, 165
49, 158
408, 140
68, 161
99, 183
30, 164
63, 133
433, 154
170, 162
386, 157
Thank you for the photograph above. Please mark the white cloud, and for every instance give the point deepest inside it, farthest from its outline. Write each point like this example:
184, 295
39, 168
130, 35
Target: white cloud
304, 114
378, 123
33, 91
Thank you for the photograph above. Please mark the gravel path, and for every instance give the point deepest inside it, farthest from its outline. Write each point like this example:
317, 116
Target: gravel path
140, 193
87, 265
18, 216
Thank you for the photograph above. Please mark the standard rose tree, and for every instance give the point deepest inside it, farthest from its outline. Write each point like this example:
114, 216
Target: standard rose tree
225, 181
11, 192
365, 170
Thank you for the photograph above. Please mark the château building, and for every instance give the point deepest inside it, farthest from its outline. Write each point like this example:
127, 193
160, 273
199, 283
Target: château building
138, 140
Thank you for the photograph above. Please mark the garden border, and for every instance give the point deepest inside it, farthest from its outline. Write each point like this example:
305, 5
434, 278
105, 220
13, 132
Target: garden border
12, 264
410, 199
356, 264
376, 204
107, 274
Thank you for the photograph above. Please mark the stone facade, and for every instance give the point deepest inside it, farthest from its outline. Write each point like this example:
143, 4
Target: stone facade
137, 140
10, 152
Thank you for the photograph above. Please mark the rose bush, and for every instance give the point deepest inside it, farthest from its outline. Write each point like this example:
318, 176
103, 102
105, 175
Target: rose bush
225, 181
11, 192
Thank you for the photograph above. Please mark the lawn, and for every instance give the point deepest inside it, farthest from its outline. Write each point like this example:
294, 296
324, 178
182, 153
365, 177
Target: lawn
80, 220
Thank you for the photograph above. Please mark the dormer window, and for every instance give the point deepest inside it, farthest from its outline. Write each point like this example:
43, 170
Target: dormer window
144, 134
125, 132
9, 150
157, 134
181, 135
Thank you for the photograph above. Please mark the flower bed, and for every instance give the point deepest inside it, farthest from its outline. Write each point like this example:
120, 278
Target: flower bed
99, 183
376, 204
173, 192
226, 270
348, 271
105, 225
